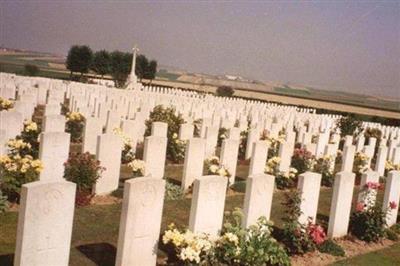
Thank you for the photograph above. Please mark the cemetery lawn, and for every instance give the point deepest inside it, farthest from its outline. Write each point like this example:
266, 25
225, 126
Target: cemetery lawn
387, 256
95, 229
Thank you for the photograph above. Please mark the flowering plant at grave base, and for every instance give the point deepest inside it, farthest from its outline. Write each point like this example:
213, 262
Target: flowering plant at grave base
6, 104
18, 147
84, 170
272, 142
361, 162
248, 246
175, 147
297, 237
324, 166
178, 149
272, 166
190, 248
128, 152
222, 134
173, 191
197, 127
16, 170
74, 126
283, 180
30, 134
390, 166
373, 133
368, 221
303, 160
214, 167
235, 246
137, 167
243, 144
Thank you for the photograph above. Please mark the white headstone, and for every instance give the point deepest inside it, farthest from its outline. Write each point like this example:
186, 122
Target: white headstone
392, 194
140, 222
229, 157
339, 214
45, 223
208, 201
309, 185
258, 198
348, 158
194, 161
258, 158
109, 148
53, 123
92, 129
53, 152
155, 150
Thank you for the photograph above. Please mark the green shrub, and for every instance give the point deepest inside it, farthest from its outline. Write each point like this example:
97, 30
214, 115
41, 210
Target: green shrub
84, 170
243, 144
173, 192
331, 247
249, 246
31, 70
3, 202
225, 91
175, 147
391, 235
373, 133
348, 125
197, 128
239, 186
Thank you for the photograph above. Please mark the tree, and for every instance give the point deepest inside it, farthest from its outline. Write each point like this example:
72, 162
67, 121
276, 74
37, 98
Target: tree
120, 67
141, 66
348, 125
31, 70
79, 59
151, 70
225, 91
145, 69
101, 63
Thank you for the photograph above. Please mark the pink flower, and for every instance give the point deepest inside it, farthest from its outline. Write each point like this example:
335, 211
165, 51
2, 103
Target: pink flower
360, 206
372, 185
317, 233
392, 205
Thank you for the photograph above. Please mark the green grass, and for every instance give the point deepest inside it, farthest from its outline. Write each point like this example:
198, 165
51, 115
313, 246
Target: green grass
387, 256
291, 91
95, 228
166, 75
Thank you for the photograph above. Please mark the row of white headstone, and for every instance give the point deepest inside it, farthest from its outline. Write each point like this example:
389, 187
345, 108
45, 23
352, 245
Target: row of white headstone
41, 201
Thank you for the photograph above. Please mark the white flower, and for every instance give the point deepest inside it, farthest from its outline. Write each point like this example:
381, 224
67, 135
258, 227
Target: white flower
213, 168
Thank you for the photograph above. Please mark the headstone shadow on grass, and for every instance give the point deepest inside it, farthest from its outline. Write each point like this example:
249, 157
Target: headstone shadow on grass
7, 259
103, 254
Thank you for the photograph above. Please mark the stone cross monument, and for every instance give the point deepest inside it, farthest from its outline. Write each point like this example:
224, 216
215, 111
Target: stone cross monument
133, 81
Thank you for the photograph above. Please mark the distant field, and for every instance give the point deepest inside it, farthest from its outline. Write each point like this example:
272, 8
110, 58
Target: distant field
53, 67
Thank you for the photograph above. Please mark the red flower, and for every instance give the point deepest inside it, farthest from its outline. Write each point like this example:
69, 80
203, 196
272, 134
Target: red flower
392, 205
360, 206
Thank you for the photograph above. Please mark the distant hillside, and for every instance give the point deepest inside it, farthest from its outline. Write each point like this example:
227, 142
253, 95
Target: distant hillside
13, 61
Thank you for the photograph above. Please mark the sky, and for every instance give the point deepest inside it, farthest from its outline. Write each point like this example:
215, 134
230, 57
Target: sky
352, 46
